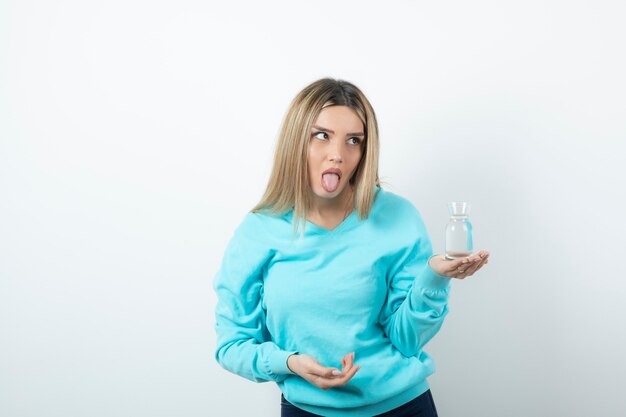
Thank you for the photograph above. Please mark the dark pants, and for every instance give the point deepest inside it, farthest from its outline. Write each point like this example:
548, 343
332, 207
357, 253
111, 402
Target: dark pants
422, 406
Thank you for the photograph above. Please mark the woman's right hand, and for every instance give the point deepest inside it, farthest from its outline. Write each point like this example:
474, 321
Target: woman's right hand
322, 377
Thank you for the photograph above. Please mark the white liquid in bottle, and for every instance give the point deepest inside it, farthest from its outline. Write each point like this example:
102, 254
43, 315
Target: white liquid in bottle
459, 231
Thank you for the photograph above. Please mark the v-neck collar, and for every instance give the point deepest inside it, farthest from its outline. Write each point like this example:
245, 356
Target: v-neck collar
337, 228
319, 230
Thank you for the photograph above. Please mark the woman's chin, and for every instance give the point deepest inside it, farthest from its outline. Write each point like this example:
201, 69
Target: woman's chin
322, 193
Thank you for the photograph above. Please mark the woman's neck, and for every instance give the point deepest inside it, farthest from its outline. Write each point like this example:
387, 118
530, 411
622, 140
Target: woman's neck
340, 206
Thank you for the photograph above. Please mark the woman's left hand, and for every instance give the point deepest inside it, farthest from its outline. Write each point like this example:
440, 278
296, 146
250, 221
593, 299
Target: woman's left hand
459, 268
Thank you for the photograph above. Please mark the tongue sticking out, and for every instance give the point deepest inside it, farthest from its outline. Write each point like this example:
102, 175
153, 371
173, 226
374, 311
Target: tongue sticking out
330, 182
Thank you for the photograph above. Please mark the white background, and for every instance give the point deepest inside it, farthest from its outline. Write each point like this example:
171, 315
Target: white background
135, 135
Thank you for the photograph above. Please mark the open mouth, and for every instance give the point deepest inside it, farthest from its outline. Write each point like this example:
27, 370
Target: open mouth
330, 182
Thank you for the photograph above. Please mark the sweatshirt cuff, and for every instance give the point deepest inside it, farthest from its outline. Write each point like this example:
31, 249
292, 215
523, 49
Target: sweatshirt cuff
278, 362
431, 279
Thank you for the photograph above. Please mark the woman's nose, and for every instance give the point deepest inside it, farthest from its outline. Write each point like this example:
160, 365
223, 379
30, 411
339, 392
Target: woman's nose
335, 153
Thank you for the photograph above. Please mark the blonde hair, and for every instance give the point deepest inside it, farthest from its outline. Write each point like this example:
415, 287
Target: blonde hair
288, 186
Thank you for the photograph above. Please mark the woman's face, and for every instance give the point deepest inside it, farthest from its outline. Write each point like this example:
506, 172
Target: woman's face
336, 142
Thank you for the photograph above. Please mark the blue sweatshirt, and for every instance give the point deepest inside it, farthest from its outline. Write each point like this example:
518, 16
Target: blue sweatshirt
363, 287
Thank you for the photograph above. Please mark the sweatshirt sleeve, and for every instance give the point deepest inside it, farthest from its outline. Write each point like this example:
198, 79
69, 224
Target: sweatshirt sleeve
244, 345
417, 297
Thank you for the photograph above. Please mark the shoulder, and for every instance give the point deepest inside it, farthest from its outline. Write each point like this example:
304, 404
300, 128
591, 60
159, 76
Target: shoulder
252, 223
251, 237
402, 222
398, 216
258, 225
392, 204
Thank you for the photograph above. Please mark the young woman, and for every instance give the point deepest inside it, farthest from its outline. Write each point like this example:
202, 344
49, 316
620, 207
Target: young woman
358, 284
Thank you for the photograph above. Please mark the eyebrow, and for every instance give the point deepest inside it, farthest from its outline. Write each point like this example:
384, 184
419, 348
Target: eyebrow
331, 131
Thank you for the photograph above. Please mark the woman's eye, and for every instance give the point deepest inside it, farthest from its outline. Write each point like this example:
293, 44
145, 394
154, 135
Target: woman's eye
323, 135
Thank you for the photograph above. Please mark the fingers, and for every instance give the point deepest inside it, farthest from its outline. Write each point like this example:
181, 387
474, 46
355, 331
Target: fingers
325, 381
470, 264
346, 376
475, 267
475, 257
461, 263
347, 362
459, 266
318, 370
321, 371
456, 264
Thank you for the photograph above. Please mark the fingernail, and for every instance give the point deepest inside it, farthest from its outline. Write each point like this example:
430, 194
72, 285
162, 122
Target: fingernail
336, 372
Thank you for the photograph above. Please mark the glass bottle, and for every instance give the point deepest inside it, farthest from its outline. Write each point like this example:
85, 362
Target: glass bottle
459, 231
